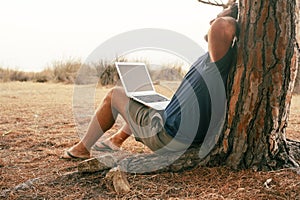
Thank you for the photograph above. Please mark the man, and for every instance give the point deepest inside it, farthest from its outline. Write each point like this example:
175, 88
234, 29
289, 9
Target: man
169, 130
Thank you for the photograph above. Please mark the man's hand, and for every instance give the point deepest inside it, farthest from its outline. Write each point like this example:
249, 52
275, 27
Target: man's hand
228, 12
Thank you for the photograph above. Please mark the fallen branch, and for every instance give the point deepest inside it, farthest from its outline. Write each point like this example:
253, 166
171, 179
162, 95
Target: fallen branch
143, 163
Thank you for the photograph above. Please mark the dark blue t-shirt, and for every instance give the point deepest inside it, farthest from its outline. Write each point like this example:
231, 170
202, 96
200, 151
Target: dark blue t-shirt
188, 115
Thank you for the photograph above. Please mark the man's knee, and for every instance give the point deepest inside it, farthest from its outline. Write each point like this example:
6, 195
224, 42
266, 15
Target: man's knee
115, 91
117, 95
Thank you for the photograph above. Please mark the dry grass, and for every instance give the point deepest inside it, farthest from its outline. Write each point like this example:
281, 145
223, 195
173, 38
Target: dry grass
73, 70
36, 126
58, 71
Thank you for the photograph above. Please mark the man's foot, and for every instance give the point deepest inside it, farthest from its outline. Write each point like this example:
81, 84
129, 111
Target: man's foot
69, 155
106, 145
76, 152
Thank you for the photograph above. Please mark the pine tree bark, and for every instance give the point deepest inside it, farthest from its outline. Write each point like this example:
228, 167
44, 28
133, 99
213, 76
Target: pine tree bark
261, 88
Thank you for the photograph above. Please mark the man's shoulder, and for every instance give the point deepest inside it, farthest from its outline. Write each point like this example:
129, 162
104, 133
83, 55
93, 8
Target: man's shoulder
202, 60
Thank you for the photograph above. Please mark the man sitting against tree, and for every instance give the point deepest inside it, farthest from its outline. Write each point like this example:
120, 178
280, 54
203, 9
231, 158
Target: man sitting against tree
141, 121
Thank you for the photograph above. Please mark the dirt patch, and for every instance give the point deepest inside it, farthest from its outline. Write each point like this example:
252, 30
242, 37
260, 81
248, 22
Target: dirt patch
37, 125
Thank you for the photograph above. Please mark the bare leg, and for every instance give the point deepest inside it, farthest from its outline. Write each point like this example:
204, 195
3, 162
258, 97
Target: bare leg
118, 138
113, 104
115, 141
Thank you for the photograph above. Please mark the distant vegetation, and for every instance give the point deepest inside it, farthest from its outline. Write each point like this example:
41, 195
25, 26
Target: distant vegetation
74, 71
60, 71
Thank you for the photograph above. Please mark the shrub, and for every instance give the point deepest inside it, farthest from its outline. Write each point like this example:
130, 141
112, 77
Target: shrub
15, 75
43, 76
65, 71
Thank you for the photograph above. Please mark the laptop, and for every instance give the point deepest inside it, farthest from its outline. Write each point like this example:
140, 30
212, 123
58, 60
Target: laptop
138, 85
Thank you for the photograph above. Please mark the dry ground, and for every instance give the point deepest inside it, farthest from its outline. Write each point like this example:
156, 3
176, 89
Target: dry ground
36, 125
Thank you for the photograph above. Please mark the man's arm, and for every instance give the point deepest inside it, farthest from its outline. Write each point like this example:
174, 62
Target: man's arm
220, 37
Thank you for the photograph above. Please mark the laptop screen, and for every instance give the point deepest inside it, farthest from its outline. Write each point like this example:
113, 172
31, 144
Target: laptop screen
135, 77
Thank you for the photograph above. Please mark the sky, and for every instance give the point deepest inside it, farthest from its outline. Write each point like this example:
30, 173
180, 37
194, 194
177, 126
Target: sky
36, 33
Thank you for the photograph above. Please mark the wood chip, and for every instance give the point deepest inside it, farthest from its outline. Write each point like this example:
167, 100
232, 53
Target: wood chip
96, 164
116, 180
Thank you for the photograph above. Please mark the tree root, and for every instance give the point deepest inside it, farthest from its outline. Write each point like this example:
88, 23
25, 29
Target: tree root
294, 150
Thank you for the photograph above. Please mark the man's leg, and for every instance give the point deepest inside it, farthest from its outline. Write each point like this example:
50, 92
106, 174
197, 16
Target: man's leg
114, 103
118, 138
115, 141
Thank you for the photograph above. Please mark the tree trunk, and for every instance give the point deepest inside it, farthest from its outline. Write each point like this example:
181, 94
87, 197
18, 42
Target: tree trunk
260, 88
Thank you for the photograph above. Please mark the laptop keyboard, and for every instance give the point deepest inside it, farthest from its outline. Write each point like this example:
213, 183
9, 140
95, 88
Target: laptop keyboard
151, 98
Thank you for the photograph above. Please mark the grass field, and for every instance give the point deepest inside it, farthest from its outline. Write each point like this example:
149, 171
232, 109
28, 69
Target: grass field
37, 125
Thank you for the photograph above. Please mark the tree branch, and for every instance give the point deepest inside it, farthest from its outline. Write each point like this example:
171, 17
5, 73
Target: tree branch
216, 3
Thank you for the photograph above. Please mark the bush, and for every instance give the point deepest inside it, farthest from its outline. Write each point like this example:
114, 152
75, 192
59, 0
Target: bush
15, 75
43, 76
65, 71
